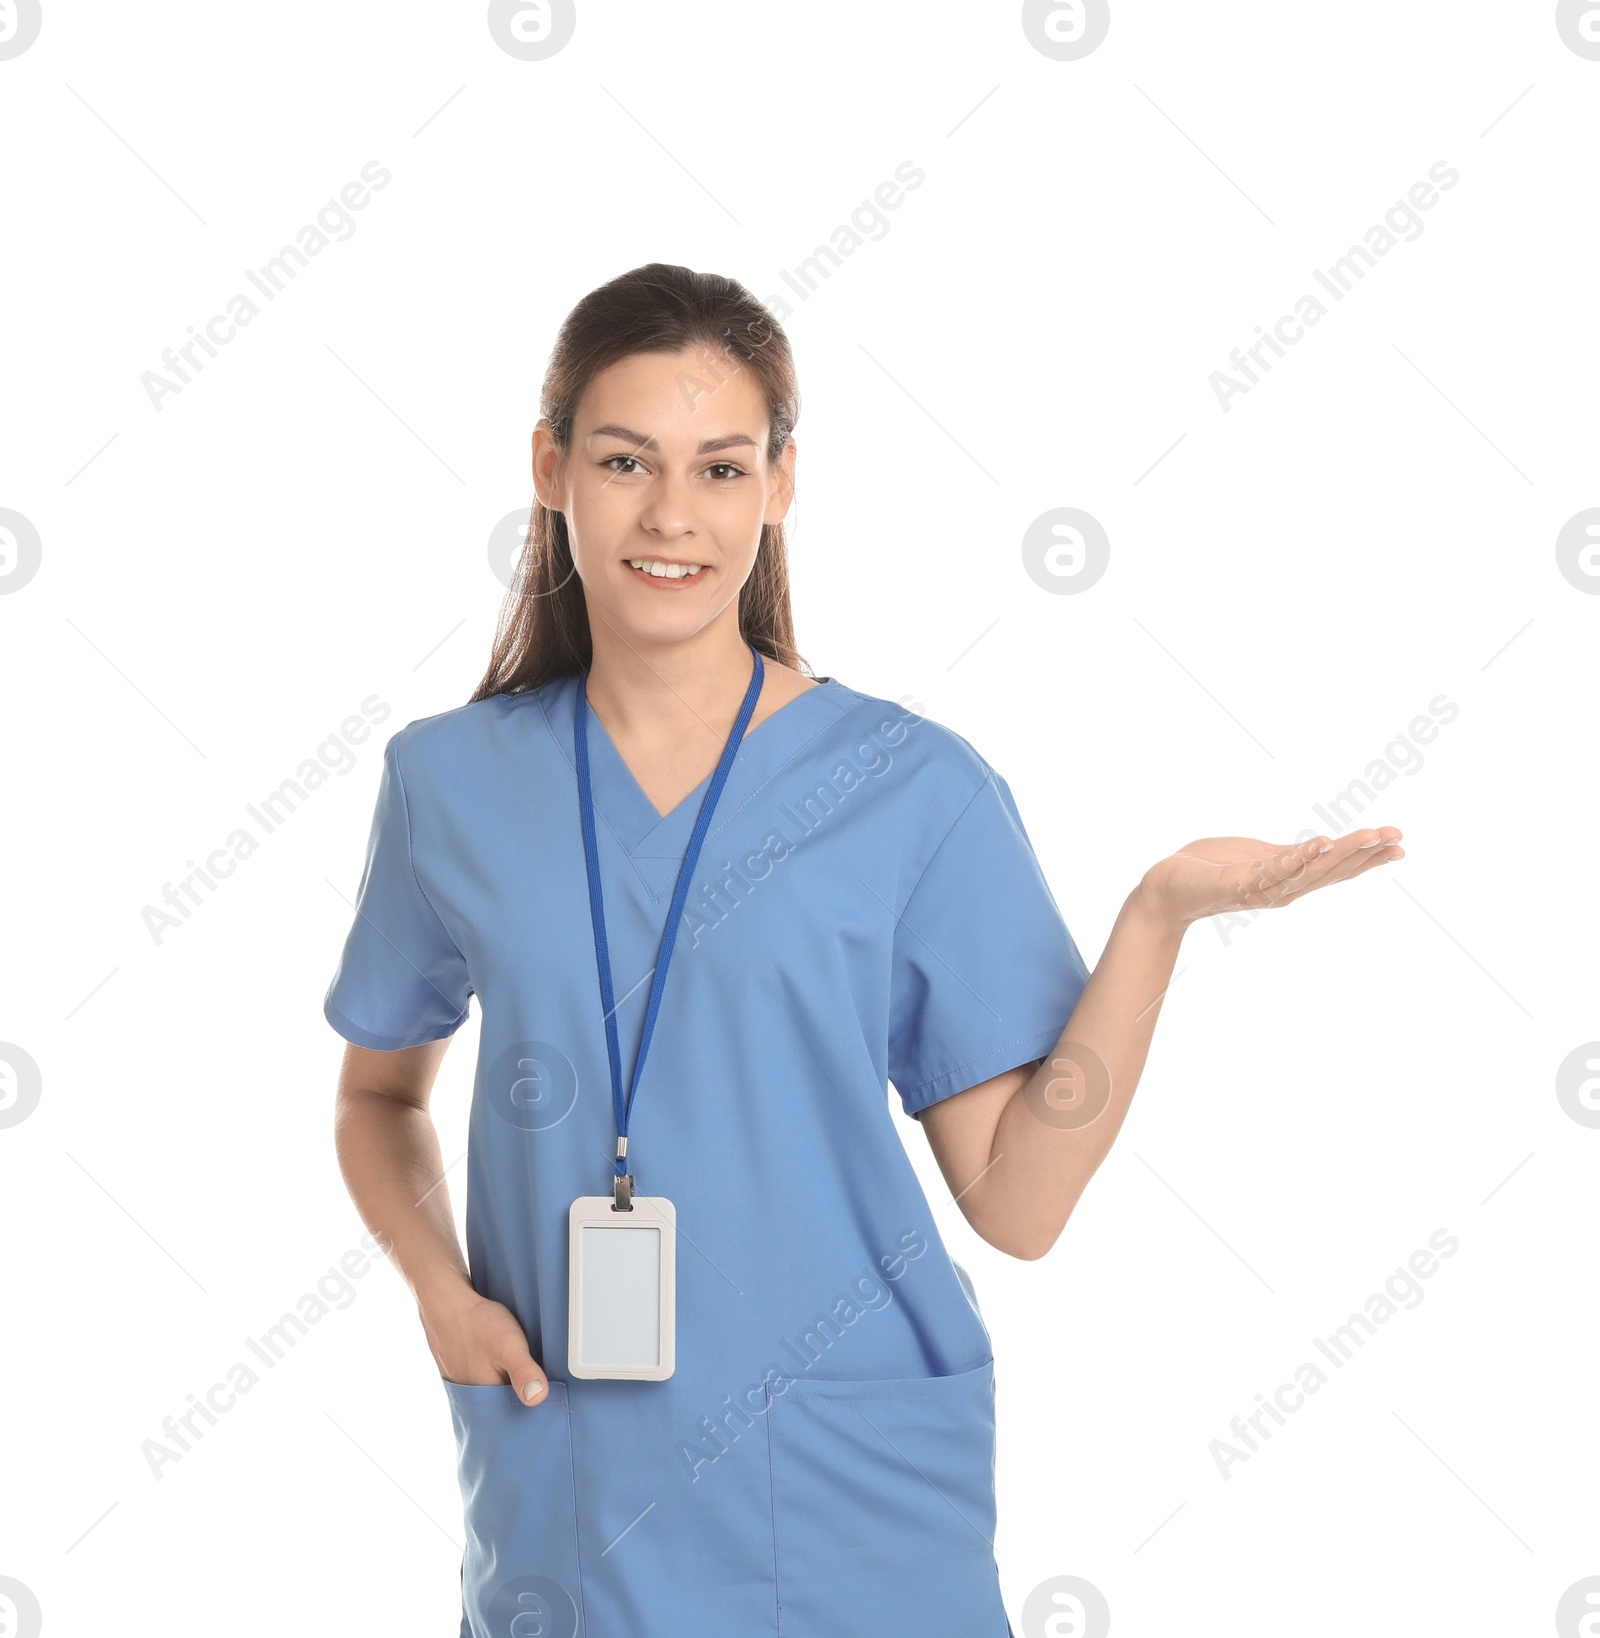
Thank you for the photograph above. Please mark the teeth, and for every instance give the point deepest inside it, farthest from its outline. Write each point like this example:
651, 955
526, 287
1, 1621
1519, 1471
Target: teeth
666, 571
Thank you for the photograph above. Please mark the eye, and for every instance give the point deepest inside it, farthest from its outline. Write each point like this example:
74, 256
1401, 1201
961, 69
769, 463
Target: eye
630, 458
726, 466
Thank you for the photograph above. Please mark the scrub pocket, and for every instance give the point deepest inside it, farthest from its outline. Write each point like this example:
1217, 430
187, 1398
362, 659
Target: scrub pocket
883, 1507
520, 1574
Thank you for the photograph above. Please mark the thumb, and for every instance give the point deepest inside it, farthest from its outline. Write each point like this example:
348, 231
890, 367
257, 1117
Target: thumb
532, 1385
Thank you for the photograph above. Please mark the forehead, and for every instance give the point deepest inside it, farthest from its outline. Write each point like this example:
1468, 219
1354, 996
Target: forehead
682, 397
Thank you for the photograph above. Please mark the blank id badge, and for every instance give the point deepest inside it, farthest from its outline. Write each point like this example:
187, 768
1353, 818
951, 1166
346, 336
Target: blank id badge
622, 1288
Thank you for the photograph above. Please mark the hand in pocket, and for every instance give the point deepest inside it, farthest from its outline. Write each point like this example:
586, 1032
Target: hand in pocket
480, 1343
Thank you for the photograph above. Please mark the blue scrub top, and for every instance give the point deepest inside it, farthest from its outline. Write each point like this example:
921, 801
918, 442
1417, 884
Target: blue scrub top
868, 910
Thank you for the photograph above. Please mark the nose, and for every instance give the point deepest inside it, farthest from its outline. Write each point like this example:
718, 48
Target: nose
669, 507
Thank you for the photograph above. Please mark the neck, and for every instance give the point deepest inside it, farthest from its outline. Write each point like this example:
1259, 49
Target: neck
643, 687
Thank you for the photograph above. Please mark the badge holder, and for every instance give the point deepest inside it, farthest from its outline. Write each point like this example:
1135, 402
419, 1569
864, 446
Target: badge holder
622, 1286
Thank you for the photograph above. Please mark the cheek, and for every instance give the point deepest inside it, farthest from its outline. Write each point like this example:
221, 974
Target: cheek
737, 515
597, 513
594, 497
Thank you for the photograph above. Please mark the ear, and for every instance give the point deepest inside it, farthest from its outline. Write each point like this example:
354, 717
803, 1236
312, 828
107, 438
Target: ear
781, 495
546, 462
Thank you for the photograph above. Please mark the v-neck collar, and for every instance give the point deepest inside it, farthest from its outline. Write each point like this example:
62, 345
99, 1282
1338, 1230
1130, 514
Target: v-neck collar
620, 800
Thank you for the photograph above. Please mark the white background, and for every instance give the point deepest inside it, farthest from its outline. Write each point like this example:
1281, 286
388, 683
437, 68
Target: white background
1291, 582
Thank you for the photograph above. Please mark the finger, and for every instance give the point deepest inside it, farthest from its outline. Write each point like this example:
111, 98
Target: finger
532, 1385
1316, 863
1385, 854
1335, 859
1355, 863
1267, 879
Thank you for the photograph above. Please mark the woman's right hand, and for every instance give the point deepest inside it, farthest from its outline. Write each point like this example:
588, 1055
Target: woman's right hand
477, 1342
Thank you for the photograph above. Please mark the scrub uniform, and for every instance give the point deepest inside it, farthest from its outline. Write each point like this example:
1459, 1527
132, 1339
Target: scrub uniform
867, 910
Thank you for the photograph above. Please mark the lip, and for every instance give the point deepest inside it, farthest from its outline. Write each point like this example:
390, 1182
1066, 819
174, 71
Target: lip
662, 582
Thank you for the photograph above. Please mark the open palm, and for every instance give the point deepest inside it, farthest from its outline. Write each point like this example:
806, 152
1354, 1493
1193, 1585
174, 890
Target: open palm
1222, 873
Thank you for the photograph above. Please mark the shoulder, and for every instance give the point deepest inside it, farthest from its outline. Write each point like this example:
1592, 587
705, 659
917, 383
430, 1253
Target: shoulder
931, 783
926, 774
917, 743
455, 739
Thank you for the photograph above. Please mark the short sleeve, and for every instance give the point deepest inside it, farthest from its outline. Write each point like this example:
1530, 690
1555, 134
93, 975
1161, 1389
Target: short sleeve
401, 980
985, 973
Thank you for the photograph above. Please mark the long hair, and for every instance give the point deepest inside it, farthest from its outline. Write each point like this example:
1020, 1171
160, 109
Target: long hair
543, 630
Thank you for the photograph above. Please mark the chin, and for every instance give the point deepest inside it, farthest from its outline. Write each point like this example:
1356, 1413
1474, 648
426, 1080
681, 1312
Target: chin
686, 616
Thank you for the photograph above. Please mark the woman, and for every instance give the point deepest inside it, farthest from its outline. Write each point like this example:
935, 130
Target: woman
649, 781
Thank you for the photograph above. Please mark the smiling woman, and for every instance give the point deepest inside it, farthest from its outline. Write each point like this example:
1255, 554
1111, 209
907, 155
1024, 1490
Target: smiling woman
537, 848
698, 349
647, 537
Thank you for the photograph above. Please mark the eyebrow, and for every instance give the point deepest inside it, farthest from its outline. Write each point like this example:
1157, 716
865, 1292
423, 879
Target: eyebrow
640, 441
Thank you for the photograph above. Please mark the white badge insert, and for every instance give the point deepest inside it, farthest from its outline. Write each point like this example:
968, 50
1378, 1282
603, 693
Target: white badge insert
622, 1288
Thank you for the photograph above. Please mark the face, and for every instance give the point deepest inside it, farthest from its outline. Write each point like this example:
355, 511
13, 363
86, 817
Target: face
665, 485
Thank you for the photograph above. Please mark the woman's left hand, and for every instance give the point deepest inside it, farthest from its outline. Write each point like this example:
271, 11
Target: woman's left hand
1222, 873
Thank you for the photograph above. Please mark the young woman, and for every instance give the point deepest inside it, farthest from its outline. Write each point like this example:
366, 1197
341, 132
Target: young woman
649, 782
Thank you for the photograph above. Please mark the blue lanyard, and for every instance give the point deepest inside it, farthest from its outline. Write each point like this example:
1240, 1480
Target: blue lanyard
623, 1106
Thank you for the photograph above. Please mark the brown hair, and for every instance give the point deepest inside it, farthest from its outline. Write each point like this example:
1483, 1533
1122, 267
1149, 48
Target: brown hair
543, 630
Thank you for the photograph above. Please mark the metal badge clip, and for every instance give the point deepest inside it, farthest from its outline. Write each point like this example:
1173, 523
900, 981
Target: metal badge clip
623, 1188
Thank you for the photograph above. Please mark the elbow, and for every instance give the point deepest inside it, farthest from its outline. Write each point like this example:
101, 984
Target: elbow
1025, 1246
1029, 1252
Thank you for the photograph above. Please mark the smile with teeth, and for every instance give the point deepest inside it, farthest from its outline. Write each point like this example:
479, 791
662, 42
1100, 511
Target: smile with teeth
665, 571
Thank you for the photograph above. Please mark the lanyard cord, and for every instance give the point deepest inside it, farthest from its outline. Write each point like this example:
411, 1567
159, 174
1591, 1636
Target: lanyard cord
622, 1106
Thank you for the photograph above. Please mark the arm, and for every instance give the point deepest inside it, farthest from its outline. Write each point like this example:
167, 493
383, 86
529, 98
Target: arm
389, 1154
1018, 1150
